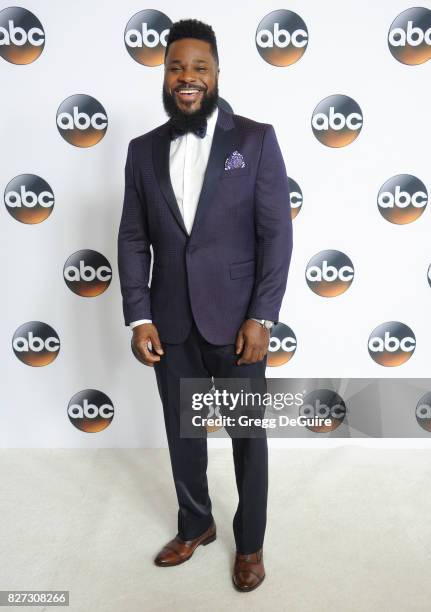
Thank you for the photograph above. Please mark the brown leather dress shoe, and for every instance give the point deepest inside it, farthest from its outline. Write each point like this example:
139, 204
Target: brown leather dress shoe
248, 571
177, 550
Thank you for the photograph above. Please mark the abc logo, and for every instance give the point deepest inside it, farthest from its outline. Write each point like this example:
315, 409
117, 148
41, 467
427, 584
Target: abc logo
81, 120
337, 121
323, 404
281, 38
146, 36
36, 343
409, 37
282, 345
87, 273
295, 197
28, 198
391, 344
22, 38
329, 273
423, 412
90, 410
402, 199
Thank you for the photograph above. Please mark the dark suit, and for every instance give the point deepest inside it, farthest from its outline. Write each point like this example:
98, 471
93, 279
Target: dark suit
233, 266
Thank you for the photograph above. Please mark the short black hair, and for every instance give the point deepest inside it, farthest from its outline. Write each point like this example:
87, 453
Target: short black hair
193, 28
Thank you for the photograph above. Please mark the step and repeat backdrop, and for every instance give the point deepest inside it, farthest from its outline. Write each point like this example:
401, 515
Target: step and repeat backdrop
346, 87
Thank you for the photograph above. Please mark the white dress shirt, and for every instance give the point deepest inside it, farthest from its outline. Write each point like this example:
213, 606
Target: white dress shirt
188, 159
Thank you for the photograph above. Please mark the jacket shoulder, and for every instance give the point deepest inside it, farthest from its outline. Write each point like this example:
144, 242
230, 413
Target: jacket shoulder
249, 125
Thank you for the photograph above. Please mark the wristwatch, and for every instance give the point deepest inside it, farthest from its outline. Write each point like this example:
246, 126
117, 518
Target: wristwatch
264, 322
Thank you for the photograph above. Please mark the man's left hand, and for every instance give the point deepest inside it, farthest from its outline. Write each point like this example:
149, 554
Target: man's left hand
252, 341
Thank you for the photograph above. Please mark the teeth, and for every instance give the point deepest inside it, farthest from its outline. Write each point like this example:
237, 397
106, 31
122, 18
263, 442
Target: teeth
187, 91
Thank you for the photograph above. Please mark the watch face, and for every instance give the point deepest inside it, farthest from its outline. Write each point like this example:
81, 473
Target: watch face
268, 324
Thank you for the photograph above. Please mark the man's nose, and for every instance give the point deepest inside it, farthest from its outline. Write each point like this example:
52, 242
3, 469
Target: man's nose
188, 77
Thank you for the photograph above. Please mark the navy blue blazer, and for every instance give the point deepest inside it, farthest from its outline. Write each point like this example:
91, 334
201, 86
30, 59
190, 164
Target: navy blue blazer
235, 262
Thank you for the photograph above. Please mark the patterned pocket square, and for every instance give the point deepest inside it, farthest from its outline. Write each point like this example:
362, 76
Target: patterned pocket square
234, 160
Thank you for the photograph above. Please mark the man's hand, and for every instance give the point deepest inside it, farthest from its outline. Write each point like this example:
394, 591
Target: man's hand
253, 341
142, 335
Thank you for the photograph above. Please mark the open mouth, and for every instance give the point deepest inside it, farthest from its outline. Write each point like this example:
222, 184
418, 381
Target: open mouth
188, 93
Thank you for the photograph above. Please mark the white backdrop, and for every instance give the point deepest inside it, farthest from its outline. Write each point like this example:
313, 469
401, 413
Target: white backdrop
84, 52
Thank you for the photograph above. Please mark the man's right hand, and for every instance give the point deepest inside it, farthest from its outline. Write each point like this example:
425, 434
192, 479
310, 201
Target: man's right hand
142, 335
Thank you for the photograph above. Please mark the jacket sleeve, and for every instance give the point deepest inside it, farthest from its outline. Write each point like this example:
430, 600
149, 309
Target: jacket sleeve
273, 227
133, 244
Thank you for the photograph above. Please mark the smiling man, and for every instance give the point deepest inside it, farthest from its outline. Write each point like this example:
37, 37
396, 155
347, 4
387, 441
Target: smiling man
208, 191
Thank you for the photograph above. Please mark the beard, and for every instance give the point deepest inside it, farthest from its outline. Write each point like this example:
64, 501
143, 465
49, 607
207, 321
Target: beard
194, 120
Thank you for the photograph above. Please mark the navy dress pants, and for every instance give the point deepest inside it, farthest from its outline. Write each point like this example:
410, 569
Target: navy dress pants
197, 358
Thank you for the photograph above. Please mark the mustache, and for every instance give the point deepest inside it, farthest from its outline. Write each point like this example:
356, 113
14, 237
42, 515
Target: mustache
208, 103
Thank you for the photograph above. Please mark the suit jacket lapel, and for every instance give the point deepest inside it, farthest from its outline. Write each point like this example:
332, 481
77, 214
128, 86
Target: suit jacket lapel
161, 148
223, 144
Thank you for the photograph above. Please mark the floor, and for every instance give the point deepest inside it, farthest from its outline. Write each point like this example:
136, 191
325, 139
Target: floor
349, 531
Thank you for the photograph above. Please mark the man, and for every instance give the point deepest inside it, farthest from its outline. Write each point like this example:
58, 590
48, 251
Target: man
208, 190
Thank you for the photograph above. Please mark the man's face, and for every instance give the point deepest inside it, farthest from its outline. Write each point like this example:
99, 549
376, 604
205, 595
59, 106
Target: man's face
190, 86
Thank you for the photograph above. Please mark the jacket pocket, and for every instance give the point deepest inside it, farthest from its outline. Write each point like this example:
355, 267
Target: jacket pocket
235, 172
242, 268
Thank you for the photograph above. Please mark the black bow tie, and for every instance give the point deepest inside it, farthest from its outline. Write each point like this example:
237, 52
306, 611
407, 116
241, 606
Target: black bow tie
176, 131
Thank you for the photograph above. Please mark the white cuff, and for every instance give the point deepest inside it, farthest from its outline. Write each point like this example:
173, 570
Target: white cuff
139, 322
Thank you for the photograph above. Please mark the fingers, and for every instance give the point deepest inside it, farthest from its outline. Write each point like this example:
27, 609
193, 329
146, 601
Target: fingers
155, 341
143, 353
239, 342
252, 354
147, 347
148, 357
